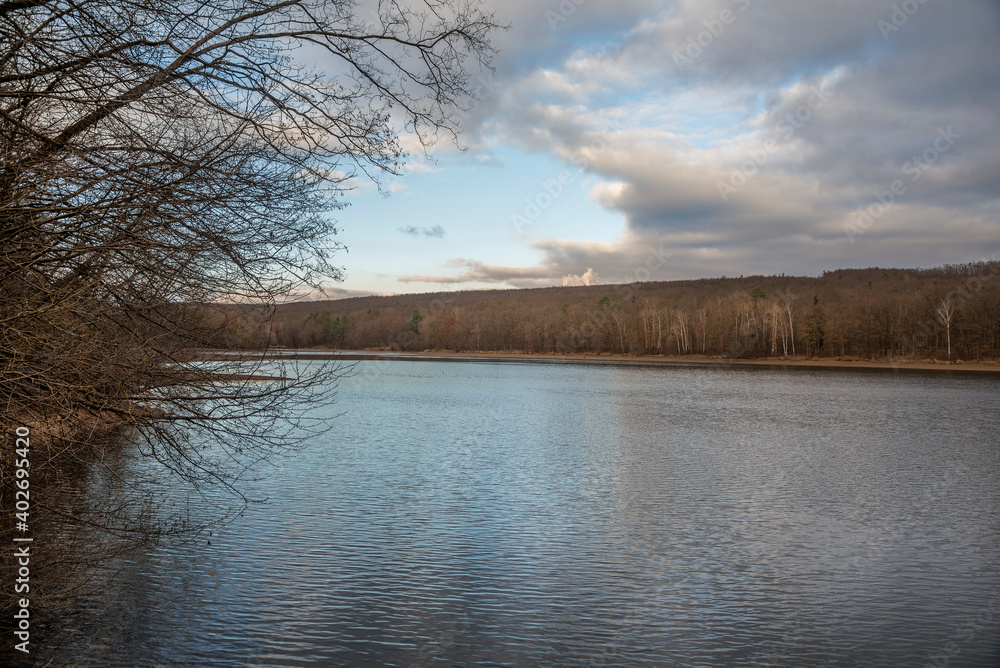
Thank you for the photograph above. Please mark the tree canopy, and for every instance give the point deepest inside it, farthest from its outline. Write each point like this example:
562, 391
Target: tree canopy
161, 157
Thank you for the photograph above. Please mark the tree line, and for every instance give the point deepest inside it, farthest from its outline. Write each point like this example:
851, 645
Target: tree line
951, 312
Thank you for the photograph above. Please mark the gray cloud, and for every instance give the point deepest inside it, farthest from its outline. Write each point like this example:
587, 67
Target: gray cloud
436, 232
601, 88
329, 292
478, 272
605, 85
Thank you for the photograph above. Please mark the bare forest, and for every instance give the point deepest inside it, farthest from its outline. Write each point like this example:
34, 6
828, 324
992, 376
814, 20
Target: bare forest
951, 312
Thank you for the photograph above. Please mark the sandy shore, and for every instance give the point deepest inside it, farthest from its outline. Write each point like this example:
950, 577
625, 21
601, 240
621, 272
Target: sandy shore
923, 366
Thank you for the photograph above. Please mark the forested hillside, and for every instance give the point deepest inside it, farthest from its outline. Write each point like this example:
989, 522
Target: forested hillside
949, 312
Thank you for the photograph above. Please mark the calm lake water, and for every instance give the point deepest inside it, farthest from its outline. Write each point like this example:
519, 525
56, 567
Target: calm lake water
557, 514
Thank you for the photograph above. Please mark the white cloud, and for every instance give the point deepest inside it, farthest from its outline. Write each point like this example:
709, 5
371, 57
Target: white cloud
588, 277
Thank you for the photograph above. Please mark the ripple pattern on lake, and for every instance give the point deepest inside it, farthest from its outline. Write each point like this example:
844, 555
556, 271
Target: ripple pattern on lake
512, 514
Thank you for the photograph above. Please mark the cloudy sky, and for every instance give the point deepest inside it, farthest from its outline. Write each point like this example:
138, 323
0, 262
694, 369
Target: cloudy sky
642, 140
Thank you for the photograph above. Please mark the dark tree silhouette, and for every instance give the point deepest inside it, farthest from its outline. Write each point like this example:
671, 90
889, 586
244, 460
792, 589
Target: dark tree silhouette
160, 161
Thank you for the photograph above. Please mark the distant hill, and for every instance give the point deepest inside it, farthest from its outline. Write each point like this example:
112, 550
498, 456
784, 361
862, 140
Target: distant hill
952, 311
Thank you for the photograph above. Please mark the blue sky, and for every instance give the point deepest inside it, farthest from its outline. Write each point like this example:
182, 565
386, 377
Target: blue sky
727, 136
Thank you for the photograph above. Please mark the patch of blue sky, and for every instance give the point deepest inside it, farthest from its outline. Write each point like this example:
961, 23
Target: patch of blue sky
480, 206
699, 114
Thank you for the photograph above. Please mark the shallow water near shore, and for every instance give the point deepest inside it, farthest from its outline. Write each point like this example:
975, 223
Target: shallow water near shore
514, 514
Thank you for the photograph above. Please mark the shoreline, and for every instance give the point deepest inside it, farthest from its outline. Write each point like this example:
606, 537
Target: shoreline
630, 360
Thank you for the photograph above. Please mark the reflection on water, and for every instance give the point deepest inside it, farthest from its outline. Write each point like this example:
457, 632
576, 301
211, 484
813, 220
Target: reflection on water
507, 514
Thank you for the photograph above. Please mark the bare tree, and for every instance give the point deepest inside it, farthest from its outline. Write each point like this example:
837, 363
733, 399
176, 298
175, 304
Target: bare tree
679, 329
701, 317
162, 161
945, 313
787, 298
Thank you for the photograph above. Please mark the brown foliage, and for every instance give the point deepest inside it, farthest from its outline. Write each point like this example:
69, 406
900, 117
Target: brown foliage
868, 313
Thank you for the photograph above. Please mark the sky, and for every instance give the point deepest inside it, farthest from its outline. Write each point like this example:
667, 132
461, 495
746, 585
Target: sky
640, 140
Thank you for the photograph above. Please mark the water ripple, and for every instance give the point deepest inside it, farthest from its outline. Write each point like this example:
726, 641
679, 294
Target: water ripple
510, 515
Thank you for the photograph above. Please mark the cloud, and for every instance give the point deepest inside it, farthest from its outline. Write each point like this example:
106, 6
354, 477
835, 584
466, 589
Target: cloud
478, 272
756, 149
436, 232
588, 277
757, 155
328, 292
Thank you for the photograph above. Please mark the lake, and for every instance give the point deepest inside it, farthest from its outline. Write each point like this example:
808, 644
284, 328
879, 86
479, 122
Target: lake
564, 514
